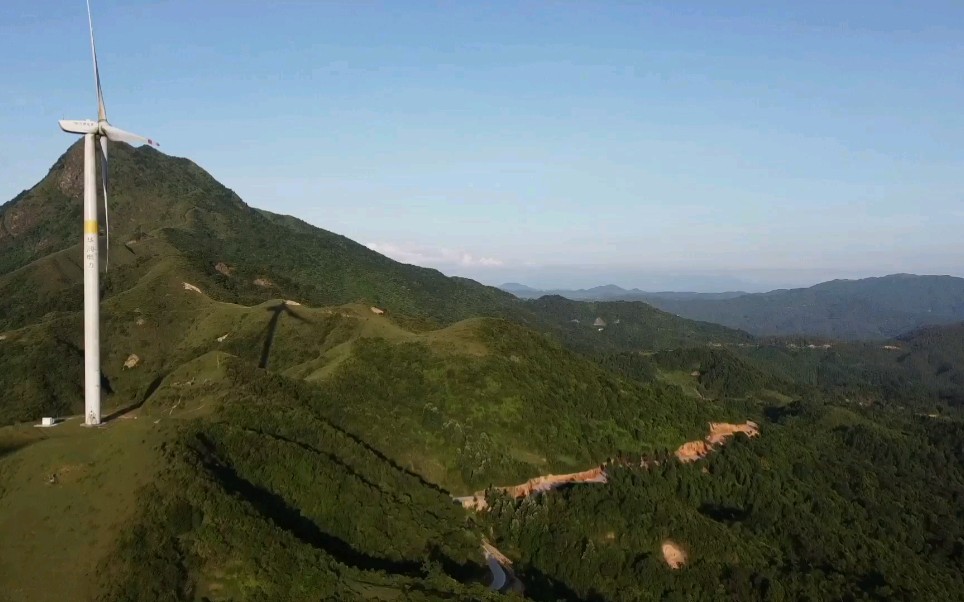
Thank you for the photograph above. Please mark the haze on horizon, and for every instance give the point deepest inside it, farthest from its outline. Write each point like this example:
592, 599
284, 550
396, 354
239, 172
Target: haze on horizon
711, 146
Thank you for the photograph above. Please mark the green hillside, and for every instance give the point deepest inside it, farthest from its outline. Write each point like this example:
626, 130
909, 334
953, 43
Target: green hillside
272, 436
827, 504
467, 405
224, 490
921, 370
172, 225
167, 209
355, 412
626, 325
162, 200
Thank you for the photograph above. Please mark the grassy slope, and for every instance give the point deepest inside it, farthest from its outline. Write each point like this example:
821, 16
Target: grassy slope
55, 534
477, 402
524, 407
223, 490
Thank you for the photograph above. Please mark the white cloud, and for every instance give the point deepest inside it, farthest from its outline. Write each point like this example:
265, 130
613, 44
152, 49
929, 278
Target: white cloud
432, 256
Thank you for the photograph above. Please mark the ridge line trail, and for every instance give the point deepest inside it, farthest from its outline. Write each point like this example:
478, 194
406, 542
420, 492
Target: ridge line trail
691, 451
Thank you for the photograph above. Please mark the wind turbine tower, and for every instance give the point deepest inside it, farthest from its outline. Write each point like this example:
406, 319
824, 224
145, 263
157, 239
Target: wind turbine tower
95, 131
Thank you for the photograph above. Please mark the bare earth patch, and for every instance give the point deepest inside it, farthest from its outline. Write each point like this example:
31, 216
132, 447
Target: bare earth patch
688, 452
719, 433
673, 554
537, 484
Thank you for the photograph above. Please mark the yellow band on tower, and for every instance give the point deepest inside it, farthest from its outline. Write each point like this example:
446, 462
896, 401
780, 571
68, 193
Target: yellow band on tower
90, 226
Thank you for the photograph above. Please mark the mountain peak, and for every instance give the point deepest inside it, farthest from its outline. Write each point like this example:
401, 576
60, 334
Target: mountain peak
147, 190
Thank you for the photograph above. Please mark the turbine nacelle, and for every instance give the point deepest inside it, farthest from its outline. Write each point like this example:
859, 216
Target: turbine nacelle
103, 128
73, 126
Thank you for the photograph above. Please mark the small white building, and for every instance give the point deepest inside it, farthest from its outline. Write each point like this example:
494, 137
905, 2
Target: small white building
47, 421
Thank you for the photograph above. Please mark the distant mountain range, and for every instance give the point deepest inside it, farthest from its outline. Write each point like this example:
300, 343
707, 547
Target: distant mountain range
869, 308
610, 292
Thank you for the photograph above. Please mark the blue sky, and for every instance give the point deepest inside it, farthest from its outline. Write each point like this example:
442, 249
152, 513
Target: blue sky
702, 145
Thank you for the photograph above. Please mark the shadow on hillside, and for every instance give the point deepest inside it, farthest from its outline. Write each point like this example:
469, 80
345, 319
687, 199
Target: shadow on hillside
276, 510
8, 449
722, 513
276, 312
378, 454
543, 588
461, 571
151, 388
313, 450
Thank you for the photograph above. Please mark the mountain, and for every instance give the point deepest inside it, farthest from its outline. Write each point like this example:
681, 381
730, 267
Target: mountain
921, 369
609, 292
519, 290
870, 308
166, 209
625, 325
289, 416
165, 206
254, 394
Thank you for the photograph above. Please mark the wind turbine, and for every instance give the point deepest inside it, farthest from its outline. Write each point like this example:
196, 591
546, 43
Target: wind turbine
94, 131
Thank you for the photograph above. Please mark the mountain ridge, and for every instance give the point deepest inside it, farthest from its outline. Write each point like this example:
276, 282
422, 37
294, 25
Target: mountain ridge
174, 225
880, 307
610, 292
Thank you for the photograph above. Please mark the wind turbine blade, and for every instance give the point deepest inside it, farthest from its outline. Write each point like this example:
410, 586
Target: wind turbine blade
115, 134
103, 178
74, 126
101, 110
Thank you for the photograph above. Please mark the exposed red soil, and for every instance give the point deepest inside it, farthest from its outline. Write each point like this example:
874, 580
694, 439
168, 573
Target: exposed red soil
673, 554
692, 451
688, 452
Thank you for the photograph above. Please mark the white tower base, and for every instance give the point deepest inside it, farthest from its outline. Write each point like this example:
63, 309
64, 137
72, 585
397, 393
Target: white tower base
91, 288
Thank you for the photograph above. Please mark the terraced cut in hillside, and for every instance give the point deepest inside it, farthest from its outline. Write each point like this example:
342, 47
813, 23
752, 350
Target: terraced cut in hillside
687, 452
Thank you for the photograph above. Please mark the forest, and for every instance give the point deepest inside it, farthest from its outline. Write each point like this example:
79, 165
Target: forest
827, 504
